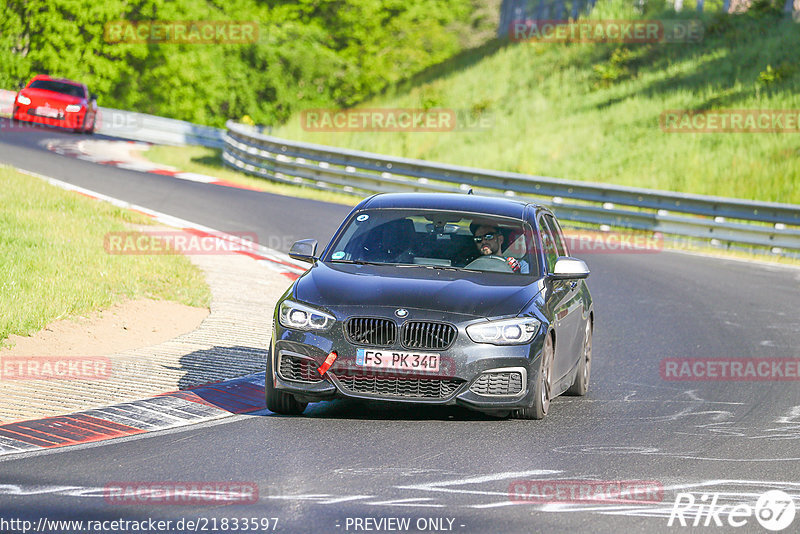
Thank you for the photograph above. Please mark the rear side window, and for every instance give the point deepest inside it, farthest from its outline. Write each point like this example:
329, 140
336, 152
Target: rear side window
558, 236
548, 245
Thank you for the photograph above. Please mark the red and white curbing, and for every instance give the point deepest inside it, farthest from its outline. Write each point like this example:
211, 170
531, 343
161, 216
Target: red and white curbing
275, 260
118, 154
169, 410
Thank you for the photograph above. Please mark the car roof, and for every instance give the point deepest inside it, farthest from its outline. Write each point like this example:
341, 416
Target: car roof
505, 207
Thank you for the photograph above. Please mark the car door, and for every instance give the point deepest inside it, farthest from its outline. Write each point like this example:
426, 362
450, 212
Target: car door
572, 324
558, 301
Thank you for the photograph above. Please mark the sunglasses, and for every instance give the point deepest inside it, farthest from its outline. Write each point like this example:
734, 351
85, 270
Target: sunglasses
486, 237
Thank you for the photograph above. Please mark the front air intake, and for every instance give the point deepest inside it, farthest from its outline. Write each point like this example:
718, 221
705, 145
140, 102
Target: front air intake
371, 331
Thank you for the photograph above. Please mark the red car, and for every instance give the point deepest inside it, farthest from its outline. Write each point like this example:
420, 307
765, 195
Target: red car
57, 102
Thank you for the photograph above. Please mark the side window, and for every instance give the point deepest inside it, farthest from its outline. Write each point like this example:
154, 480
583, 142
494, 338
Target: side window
558, 236
548, 245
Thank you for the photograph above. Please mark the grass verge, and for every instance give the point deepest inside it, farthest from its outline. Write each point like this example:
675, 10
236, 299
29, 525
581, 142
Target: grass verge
591, 112
54, 265
208, 161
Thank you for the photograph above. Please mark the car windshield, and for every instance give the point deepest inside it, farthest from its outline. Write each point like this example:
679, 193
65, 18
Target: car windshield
58, 87
437, 240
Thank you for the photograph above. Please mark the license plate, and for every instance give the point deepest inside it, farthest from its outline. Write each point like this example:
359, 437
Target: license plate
47, 112
391, 359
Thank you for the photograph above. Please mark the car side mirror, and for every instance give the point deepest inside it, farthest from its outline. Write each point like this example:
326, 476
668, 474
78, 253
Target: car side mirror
304, 250
567, 268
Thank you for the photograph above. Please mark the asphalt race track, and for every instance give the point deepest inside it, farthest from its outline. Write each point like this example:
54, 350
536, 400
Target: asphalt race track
350, 464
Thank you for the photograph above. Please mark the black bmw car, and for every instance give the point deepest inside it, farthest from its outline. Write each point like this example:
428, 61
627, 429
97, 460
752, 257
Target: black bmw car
435, 299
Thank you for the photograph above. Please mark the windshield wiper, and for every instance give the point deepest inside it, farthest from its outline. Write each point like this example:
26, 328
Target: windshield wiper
362, 262
440, 267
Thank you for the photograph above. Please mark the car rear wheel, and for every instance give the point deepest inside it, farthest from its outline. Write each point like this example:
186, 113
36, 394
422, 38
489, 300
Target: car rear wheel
581, 384
280, 402
542, 391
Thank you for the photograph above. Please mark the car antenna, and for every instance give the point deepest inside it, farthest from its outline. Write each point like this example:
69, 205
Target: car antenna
470, 191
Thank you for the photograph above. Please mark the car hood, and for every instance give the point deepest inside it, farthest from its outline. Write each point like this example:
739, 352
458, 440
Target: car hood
461, 292
40, 96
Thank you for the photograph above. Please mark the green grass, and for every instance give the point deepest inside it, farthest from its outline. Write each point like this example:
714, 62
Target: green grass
591, 112
54, 266
208, 161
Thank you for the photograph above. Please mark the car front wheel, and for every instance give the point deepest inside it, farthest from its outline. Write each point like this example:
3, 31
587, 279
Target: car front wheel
542, 390
280, 402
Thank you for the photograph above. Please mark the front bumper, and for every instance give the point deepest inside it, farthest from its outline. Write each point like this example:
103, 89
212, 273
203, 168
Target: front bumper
456, 383
70, 120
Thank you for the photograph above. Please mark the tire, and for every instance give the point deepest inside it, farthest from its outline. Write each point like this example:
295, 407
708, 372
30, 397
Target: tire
542, 391
80, 129
581, 384
280, 402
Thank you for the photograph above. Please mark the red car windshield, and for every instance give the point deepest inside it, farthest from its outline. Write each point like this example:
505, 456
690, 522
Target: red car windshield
58, 87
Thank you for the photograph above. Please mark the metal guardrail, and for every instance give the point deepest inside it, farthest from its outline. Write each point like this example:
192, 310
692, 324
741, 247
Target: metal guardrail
7, 101
720, 219
153, 129
140, 126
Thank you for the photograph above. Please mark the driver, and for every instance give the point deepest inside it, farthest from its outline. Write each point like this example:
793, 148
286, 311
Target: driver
489, 241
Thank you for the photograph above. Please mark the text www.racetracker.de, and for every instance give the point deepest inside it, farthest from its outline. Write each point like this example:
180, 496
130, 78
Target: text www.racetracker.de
176, 526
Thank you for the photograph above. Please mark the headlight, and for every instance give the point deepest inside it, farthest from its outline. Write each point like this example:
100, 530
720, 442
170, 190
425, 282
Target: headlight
24, 100
73, 108
301, 317
504, 332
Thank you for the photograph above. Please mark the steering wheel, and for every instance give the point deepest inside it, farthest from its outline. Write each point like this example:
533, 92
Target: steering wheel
490, 263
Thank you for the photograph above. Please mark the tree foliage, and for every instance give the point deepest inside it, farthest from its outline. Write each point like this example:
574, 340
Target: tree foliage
309, 53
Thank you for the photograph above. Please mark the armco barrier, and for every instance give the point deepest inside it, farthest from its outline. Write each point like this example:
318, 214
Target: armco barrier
7, 101
153, 129
720, 220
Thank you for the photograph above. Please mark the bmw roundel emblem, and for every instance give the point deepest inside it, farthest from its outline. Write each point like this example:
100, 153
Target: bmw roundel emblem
401, 312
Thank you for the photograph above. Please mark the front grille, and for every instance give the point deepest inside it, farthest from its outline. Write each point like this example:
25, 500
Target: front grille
371, 331
427, 335
505, 383
298, 369
418, 388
